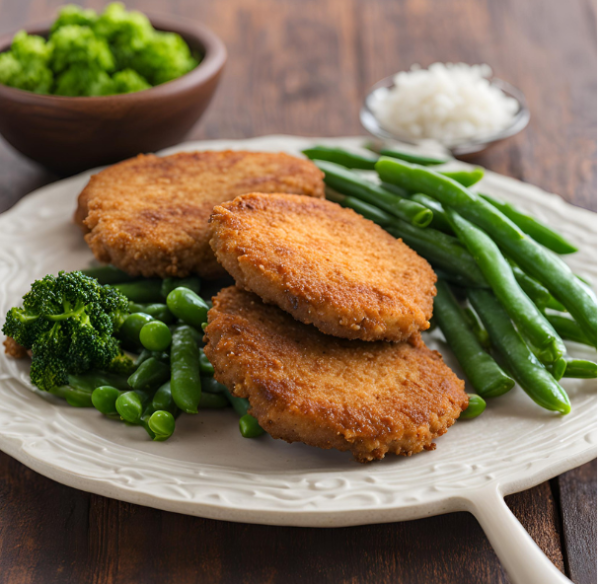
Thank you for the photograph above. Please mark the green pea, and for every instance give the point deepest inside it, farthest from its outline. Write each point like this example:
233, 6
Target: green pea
155, 336
130, 407
156, 310
249, 427
475, 408
130, 329
188, 306
162, 424
104, 399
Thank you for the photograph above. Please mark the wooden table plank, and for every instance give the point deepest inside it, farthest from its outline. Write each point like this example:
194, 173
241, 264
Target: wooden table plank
303, 67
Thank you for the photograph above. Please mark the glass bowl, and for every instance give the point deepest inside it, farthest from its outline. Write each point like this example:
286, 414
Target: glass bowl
462, 148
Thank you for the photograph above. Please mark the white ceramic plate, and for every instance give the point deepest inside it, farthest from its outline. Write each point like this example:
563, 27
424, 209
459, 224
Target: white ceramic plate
208, 469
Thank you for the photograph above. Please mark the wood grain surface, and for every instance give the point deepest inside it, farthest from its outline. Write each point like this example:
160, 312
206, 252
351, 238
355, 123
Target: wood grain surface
303, 67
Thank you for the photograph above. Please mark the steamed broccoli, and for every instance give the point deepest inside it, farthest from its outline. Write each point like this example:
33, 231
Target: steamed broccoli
68, 322
128, 80
79, 80
78, 45
25, 66
72, 14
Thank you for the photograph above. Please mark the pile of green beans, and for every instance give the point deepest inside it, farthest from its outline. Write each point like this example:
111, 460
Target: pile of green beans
495, 257
172, 375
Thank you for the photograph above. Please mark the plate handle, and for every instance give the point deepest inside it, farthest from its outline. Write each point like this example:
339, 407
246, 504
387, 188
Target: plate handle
523, 560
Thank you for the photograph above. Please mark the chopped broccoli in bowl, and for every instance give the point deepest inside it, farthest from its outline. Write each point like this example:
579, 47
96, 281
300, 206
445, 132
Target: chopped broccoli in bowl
87, 54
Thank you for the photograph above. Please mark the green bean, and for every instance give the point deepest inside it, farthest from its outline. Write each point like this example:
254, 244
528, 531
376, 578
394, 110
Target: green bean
441, 250
249, 427
187, 306
162, 424
93, 379
534, 228
109, 275
486, 377
211, 385
155, 336
142, 291
499, 275
169, 284
439, 221
371, 212
185, 369
414, 158
157, 311
581, 369
475, 408
350, 183
206, 367
396, 190
568, 329
104, 399
538, 294
557, 368
212, 401
454, 279
529, 373
480, 333
151, 373
342, 157
131, 327
74, 397
533, 258
466, 178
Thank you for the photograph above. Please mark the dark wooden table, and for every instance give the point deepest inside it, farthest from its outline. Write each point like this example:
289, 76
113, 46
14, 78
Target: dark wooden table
303, 67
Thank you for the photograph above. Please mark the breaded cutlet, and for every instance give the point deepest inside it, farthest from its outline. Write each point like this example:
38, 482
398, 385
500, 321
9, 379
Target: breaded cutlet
370, 398
149, 215
325, 265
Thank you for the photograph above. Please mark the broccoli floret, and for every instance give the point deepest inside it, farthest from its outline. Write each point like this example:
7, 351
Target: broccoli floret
78, 45
33, 76
72, 14
128, 80
164, 58
122, 364
68, 323
27, 48
80, 80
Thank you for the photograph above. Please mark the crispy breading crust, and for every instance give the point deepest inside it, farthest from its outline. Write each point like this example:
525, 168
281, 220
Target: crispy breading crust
148, 215
303, 386
325, 265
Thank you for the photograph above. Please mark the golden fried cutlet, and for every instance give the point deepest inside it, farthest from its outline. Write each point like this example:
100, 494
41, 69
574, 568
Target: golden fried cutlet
148, 215
303, 386
325, 265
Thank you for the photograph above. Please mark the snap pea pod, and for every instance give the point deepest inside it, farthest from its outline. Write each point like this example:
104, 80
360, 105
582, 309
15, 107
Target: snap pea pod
441, 250
143, 291
93, 379
485, 375
529, 373
169, 284
212, 401
499, 275
163, 398
186, 305
211, 385
581, 369
186, 386
350, 183
206, 367
130, 405
143, 356
439, 221
371, 212
104, 399
151, 373
155, 336
414, 158
109, 275
532, 257
248, 429
568, 329
156, 310
342, 157
475, 408
534, 228
75, 397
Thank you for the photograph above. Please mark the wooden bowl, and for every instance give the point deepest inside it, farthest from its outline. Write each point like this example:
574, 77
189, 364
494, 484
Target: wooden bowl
70, 134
